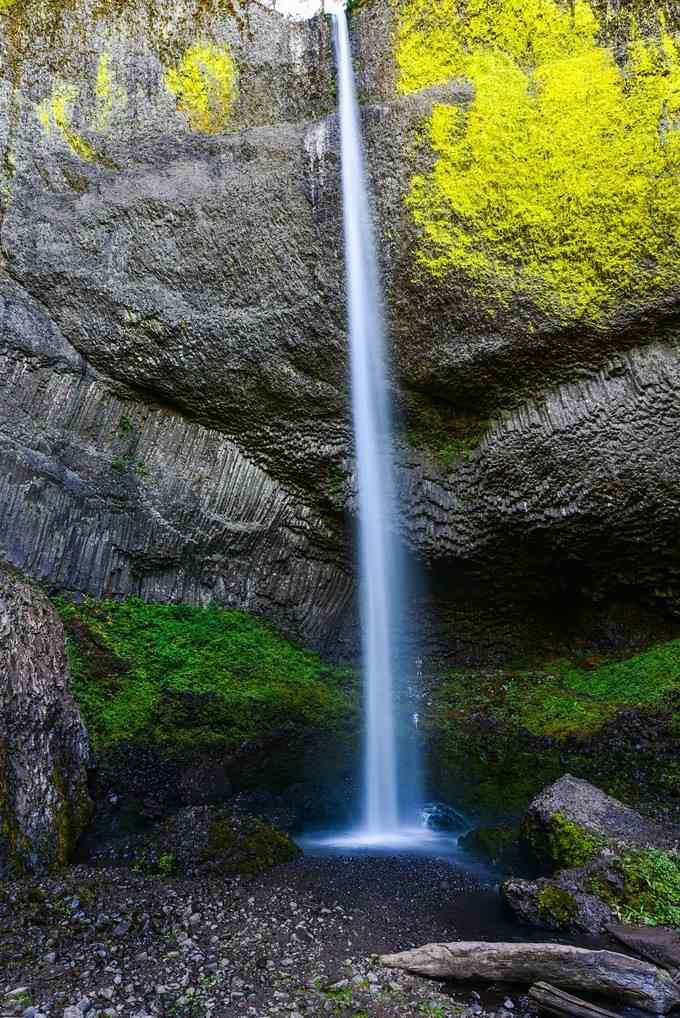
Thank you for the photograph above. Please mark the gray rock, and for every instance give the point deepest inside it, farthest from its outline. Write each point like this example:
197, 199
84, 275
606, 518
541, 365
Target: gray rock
572, 821
44, 751
559, 903
656, 943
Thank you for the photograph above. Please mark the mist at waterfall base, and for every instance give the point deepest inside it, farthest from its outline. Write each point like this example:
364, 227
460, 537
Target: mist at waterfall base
392, 815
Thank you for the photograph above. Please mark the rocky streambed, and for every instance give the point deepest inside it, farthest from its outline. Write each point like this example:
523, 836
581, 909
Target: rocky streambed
300, 939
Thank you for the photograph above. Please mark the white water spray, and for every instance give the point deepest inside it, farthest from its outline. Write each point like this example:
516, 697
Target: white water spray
390, 788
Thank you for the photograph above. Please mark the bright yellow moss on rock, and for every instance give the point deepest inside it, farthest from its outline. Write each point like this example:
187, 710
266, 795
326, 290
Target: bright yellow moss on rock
562, 178
4, 4
110, 98
55, 114
204, 84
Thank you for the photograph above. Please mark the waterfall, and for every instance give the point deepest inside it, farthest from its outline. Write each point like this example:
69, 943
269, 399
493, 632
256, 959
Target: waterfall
390, 793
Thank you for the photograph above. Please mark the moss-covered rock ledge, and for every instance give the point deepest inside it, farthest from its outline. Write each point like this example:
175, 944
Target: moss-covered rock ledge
496, 738
187, 705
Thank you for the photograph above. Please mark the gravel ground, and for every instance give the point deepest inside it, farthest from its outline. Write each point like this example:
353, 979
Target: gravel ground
298, 941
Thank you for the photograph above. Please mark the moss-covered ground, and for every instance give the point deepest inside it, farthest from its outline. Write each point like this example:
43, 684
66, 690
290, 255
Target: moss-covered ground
564, 699
495, 739
180, 675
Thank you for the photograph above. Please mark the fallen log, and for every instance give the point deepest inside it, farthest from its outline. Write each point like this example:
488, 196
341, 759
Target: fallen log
635, 982
551, 1001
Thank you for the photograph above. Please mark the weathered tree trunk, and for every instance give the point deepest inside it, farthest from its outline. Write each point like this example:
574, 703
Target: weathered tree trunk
606, 973
551, 1001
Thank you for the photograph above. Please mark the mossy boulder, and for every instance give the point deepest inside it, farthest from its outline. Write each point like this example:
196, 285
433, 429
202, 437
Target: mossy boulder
200, 841
605, 860
557, 904
572, 822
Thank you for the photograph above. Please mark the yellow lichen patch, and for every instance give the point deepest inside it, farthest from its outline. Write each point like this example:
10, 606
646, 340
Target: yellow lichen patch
204, 84
4, 4
562, 177
110, 98
55, 114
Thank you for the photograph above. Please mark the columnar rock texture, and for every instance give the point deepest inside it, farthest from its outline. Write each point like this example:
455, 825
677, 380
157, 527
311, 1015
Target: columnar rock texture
175, 421
44, 751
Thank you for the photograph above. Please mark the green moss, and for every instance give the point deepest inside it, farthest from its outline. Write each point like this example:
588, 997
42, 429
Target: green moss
110, 97
204, 84
167, 864
448, 436
495, 739
560, 180
644, 887
199, 676
557, 905
571, 846
55, 114
250, 851
564, 700
498, 845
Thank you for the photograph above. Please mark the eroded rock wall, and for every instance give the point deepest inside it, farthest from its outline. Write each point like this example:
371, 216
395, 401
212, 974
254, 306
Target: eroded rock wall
175, 421
44, 750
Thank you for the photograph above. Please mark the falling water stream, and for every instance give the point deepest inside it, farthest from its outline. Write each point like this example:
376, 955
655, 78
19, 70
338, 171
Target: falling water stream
391, 793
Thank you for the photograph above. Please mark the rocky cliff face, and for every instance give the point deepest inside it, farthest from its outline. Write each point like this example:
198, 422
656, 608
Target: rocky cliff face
174, 421
44, 751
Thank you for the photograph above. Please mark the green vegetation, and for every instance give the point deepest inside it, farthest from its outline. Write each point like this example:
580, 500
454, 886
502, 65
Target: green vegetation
498, 845
166, 864
556, 905
500, 737
565, 700
250, 849
125, 427
644, 888
569, 846
559, 180
182, 675
448, 436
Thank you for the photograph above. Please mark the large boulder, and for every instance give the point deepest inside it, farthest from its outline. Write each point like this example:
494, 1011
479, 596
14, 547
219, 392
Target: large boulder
44, 750
604, 858
571, 822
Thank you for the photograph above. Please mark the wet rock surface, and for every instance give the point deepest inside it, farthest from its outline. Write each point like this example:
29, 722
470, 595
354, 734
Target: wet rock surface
299, 939
173, 338
44, 749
